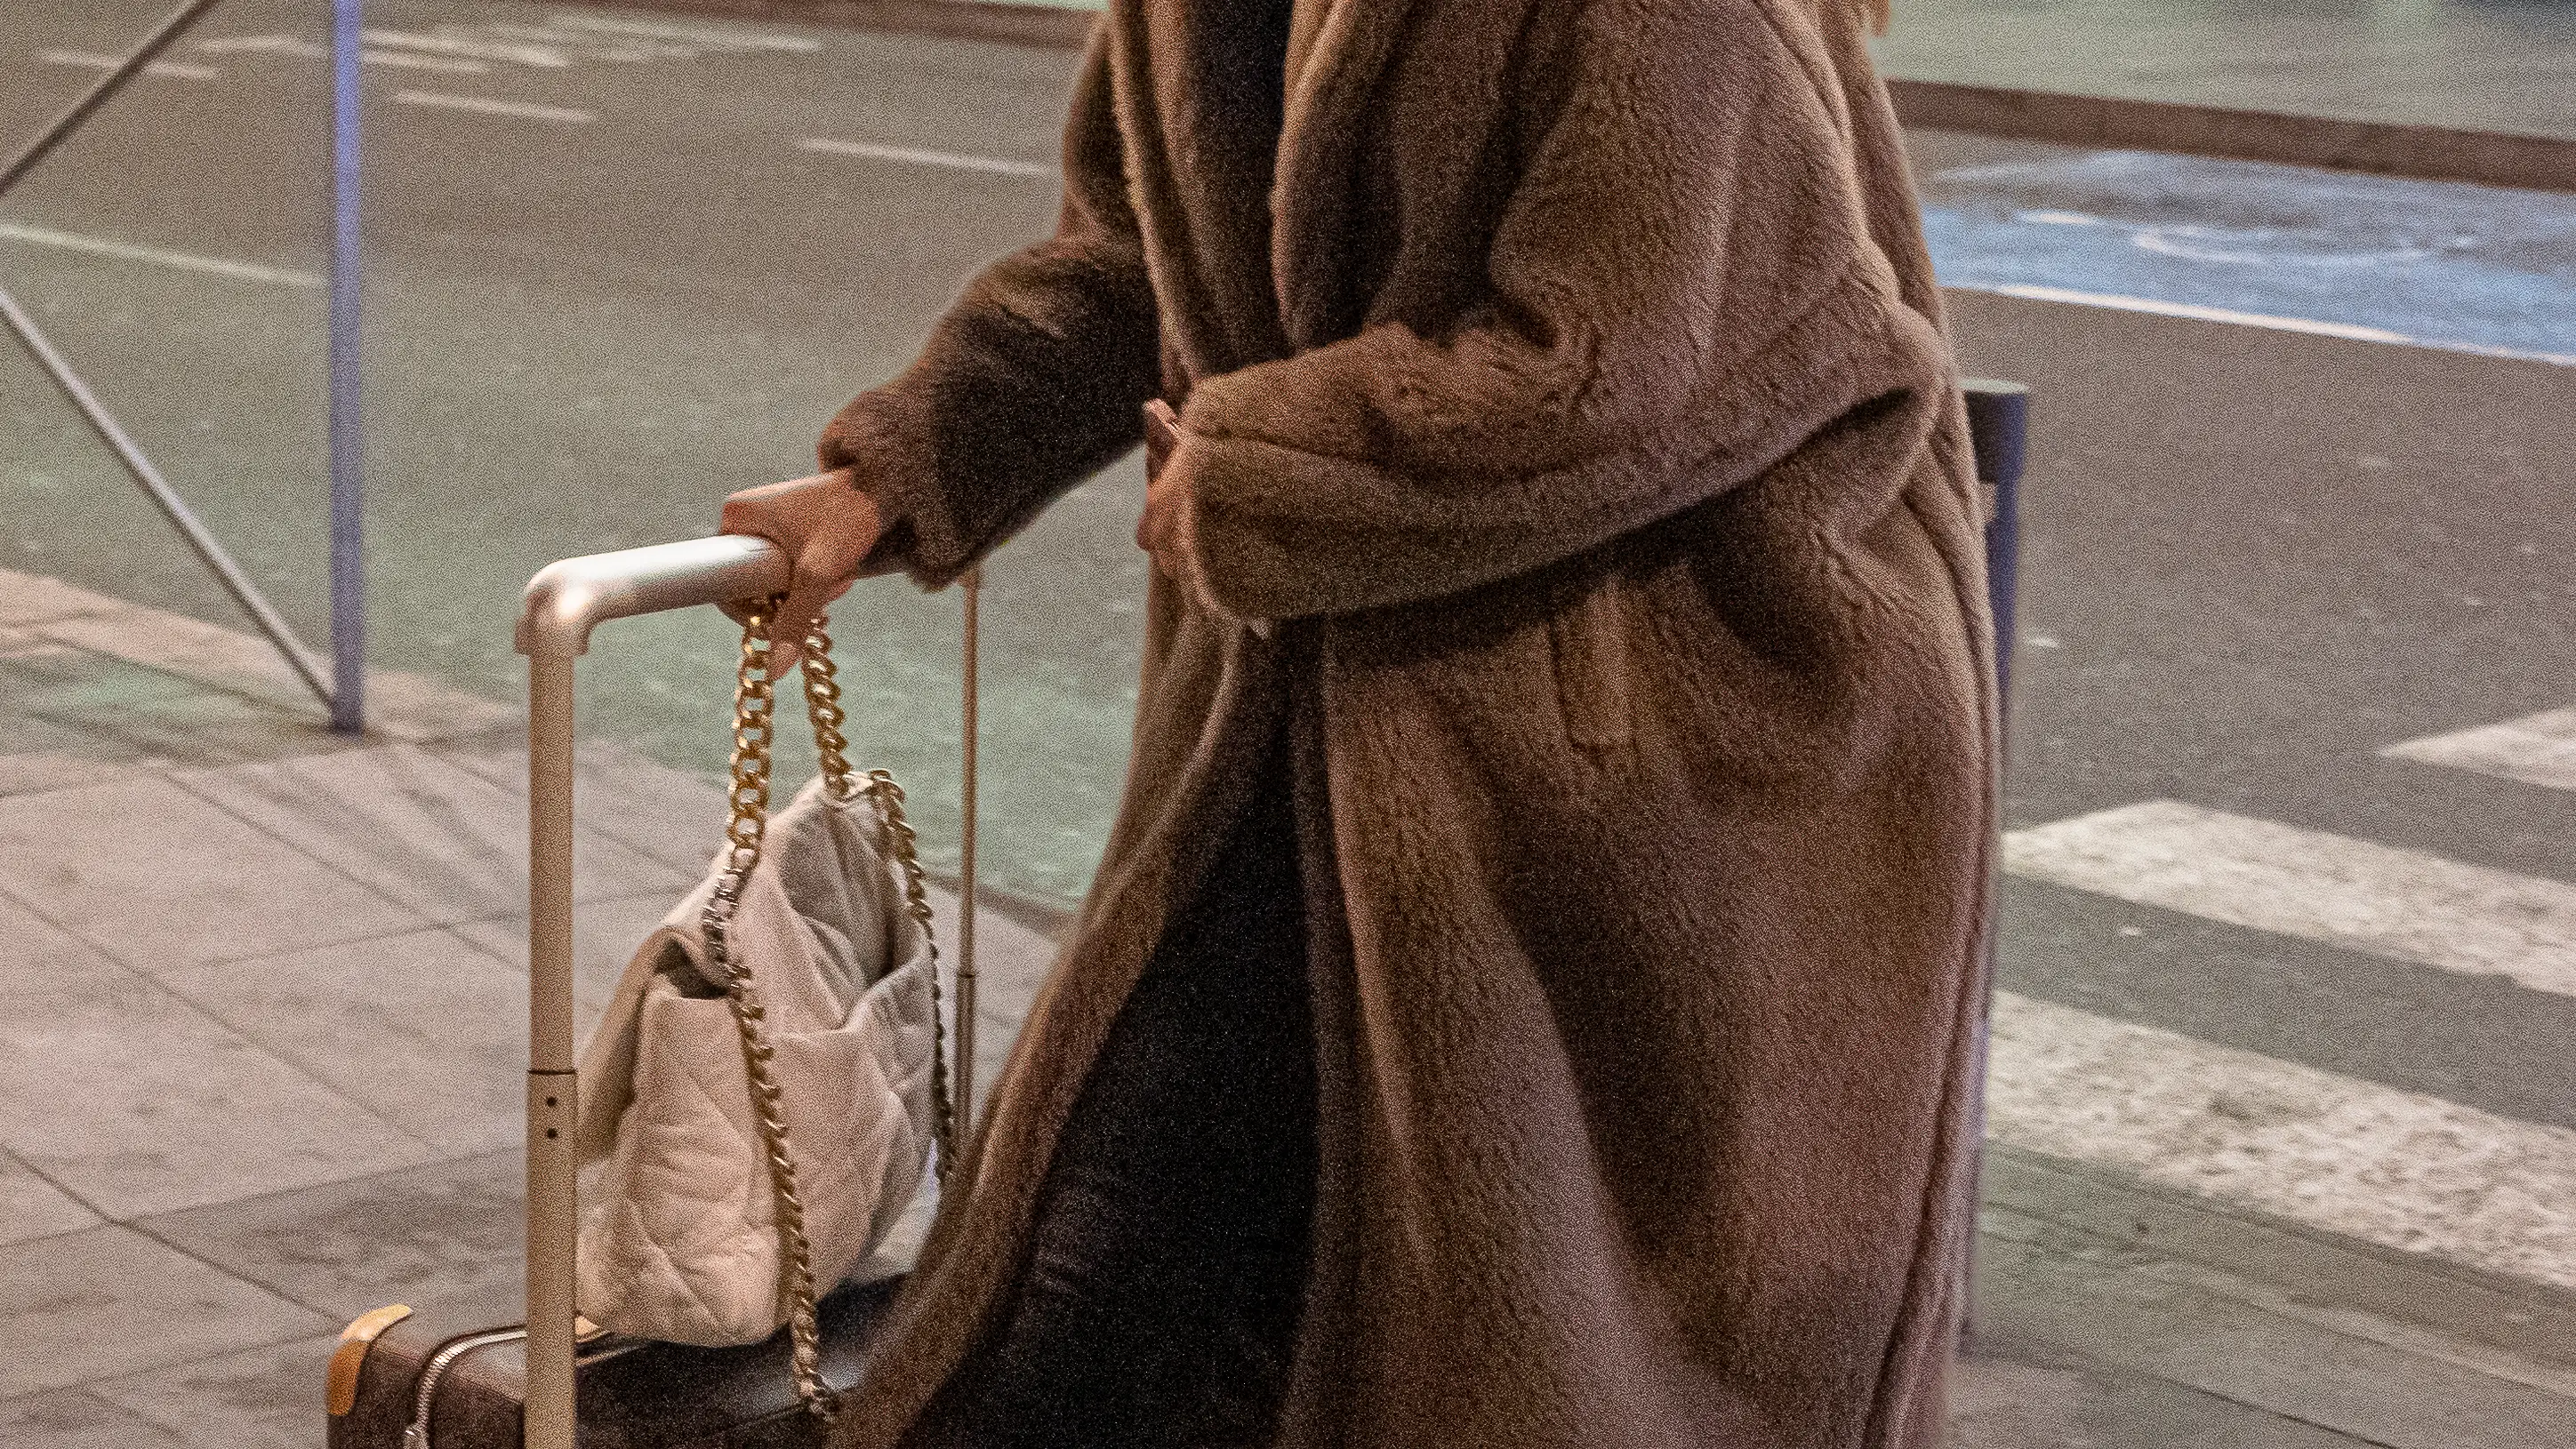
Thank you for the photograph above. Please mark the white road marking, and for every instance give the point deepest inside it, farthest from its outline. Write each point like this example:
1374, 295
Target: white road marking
595, 47
157, 256
295, 46
2540, 750
689, 34
443, 64
165, 69
2396, 1168
542, 56
2402, 904
486, 106
2195, 311
301, 49
917, 156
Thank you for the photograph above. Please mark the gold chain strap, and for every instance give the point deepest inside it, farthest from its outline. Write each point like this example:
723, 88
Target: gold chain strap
823, 707
744, 831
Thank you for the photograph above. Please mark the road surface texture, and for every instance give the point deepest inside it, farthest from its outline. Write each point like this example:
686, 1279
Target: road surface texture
2284, 1100
2474, 65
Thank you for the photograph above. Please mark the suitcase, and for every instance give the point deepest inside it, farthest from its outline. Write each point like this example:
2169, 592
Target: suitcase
497, 1375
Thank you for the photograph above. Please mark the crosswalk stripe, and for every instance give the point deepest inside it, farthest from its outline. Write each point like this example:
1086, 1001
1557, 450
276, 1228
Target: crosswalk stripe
2403, 904
2539, 750
543, 56
486, 106
922, 156
2395, 1168
691, 34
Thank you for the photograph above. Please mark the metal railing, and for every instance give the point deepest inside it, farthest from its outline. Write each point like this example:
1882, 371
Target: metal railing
340, 681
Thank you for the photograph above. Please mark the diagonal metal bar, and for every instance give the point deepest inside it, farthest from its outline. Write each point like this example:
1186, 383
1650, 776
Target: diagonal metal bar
246, 593
109, 84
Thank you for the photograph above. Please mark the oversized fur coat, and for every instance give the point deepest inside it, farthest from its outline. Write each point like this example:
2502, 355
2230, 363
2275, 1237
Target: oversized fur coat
1565, 382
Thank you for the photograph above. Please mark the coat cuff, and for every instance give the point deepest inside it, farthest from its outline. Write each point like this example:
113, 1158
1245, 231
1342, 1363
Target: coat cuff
890, 455
1185, 550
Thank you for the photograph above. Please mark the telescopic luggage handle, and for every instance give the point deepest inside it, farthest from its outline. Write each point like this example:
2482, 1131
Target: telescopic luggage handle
562, 605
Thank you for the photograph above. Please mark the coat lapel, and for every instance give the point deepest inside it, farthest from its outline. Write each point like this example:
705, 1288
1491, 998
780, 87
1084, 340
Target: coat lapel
1338, 52
1198, 90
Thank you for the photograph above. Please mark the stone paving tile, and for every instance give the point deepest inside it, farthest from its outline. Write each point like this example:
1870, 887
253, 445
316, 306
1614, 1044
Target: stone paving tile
443, 841
78, 1419
160, 880
134, 1099
2065, 1403
671, 815
94, 707
31, 1207
260, 1398
424, 1030
426, 1235
401, 706
36, 599
77, 1308
604, 937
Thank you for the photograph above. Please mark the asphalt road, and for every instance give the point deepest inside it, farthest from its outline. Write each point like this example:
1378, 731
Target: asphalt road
2258, 553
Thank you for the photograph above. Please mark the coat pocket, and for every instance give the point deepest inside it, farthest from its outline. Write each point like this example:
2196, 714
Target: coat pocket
1594, 685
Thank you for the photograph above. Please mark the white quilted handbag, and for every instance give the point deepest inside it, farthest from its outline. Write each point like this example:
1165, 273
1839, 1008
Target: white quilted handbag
770, 1080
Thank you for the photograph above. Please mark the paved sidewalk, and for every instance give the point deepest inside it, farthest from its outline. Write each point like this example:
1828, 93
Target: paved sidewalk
260, 1054
262, 1023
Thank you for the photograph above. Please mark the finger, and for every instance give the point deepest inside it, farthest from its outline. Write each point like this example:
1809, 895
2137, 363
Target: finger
787, 630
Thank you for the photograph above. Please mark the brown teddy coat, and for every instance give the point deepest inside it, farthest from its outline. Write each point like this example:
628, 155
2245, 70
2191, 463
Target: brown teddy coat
1566, 385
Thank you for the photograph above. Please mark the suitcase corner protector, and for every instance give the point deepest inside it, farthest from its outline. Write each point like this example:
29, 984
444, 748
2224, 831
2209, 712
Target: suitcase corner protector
351, 1355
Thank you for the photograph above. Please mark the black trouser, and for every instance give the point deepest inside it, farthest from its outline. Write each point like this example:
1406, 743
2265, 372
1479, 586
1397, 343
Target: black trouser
1161, 1299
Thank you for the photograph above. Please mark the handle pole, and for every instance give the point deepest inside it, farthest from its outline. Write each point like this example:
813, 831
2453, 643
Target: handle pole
553, 1206
966, 887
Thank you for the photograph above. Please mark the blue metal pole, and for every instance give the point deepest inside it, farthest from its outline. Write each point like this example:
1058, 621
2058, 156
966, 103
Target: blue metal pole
1998, 433
348, 513
1999, 424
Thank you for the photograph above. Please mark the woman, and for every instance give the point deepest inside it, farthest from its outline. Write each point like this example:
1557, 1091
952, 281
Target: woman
1529, 995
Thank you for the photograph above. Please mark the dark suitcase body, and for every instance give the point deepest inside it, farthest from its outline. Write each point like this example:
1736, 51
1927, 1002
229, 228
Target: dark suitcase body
633, 1394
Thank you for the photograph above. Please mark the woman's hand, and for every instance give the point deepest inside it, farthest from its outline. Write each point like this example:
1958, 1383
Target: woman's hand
1162, 499
826, 526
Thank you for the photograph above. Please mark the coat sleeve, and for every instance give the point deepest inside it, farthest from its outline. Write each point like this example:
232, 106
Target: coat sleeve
1033, 380
1651, 331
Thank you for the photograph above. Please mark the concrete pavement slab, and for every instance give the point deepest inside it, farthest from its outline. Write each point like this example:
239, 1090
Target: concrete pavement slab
31, 1207
674, 816
35, 599
604, 937
83, 1307
401, 705
79, 717
129, 1096
1999, 1402
445, 1232
423, 1030
2250, 1353
259, 1398
2388, 1348
79, 1419
441, 840
159, 880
